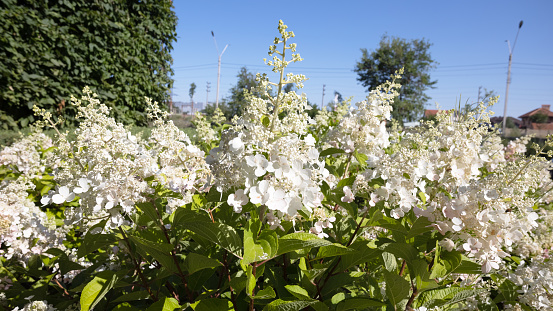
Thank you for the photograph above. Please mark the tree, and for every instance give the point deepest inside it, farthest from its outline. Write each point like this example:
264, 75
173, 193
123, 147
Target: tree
237, 101
50, 50
192, 91
393, 54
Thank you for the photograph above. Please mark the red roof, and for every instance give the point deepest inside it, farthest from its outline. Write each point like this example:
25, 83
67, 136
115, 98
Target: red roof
430, 112
544, 109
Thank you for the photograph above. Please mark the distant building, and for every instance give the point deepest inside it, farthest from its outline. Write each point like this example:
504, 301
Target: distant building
499, 120
431, 113
527, 119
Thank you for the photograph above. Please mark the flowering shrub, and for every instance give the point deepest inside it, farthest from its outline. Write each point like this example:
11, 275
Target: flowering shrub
276, 211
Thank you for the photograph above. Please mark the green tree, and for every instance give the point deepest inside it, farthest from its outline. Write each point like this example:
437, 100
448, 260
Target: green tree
539, 117
238, 99
393, 54
192, 91
50, 50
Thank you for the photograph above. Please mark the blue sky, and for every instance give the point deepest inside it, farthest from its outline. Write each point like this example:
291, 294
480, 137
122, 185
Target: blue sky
468, 40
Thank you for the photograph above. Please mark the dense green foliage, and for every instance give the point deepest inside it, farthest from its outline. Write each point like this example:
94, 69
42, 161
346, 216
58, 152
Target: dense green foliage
393, 54
539, 118
52, 49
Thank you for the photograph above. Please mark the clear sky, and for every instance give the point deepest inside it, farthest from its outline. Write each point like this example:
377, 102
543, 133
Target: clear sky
468, 37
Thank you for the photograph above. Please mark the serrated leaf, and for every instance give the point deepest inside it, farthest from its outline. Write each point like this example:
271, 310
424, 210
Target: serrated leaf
282, 305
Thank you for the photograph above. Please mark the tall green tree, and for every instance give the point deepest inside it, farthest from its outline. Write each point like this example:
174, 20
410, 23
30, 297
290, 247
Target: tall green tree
50, 50
393, 53
246, 83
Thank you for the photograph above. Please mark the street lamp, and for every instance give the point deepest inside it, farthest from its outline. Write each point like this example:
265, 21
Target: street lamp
509, 78
218, 68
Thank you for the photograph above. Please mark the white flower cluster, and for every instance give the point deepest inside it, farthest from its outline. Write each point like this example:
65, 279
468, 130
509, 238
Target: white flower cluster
455, 174
37, 306
107, 166
536, 282
364, 128
24, 228
267, 157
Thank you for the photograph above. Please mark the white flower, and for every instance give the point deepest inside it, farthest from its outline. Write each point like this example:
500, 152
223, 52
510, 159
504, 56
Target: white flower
260, 194
63, 195
84, 185
348, 195
259, 162
237, 200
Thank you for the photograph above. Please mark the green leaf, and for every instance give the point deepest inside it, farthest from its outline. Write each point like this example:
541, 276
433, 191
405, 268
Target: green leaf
218, 233
331, 151
266, 293
159, 251
397, 288
467, 266
298, 292
390, 262
149, 209
360, 157
93, 242
282, 305
401, 250
420, 226
165, 304
196, 262
261, 248
265, 120
138, 295
299, 241
214, 304
333, 250
362, 253
509, 290
96, 289
250, 281
358, 303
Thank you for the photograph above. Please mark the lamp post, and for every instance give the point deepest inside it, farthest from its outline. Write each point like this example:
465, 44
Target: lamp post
509, 78
218, 68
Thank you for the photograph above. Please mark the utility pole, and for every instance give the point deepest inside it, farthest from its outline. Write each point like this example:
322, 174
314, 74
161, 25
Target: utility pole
218, 68
479, 88
323, 100
509, 78
207, 93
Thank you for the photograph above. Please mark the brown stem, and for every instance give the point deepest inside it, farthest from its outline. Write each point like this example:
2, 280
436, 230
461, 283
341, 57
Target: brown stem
174, 256
339, 259
65, 292
412, 299
137, 266
172, 290
403, 264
